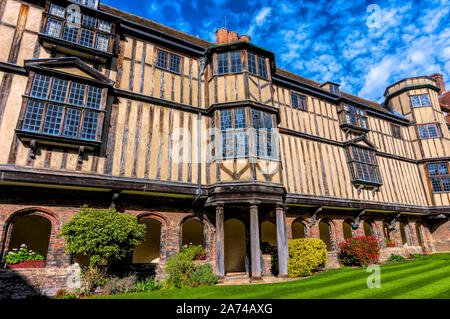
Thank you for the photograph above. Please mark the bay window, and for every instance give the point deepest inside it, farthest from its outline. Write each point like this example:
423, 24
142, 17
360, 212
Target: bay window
235, 132
363, 166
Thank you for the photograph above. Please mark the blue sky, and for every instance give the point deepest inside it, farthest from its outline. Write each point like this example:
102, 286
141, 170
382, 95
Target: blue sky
324, 40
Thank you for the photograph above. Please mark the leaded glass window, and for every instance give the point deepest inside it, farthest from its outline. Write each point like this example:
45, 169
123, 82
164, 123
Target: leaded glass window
60, 107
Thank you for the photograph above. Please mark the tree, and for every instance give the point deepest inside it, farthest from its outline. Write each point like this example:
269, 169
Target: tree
104, 235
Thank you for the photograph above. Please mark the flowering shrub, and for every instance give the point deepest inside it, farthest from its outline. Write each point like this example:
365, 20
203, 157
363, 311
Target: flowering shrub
359, 251
198, 251
18, 256
306, 255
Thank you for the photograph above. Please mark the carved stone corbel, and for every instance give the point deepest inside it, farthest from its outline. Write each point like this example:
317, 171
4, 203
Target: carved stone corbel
313, 219
357, 221
114, 200
33, 149
393, 221
80, 154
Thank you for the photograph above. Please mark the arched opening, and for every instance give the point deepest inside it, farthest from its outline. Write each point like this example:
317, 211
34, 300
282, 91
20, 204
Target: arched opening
269, 233
403, 234
419, 234
33, 231
235, 245
387, 232
325, 234
149, 250
347, 230
192, 233
368, 229
299, 230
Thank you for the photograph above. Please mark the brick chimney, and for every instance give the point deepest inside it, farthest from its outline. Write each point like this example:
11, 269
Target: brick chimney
244, 38
222, 36
233, 37
439, 81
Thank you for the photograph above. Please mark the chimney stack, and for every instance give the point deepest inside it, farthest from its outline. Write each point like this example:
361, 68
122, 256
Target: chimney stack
244, 38
439, 81
223, 36
233, 37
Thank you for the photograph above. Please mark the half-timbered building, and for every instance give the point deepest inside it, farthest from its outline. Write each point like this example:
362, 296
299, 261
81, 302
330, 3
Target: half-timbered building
206, 143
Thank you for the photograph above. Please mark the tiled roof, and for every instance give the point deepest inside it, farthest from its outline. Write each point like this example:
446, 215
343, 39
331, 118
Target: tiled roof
156, 26
445, 100
207, 44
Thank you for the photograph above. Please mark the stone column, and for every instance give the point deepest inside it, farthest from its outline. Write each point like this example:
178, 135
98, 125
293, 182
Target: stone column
255, 243
283, 254
220, 248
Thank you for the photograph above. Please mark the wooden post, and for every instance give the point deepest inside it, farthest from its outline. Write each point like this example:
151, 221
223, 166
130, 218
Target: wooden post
282, 242
220, 250
255, 243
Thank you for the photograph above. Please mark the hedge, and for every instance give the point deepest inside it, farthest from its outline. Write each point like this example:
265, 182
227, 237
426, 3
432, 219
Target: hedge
306, 255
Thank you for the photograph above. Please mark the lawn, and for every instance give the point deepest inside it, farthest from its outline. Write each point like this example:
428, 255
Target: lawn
428, 277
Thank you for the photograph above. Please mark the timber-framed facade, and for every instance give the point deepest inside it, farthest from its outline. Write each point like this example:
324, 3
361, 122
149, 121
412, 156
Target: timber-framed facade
209, 143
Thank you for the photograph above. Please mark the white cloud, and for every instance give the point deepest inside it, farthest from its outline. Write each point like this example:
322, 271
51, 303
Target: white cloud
262, 15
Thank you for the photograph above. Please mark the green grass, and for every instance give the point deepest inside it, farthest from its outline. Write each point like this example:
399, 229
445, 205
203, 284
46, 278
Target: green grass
425, 278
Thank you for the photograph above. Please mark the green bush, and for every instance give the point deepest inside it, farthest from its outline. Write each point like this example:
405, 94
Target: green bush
181, 268
202, 276
396, 258
306, 255
16, 256
104, 235
145, 285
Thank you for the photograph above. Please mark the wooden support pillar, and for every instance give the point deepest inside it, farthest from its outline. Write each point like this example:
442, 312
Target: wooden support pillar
283, 253
220, 248
255, 243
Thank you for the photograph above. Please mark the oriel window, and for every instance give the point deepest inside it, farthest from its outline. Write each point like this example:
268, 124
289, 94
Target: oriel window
62, 107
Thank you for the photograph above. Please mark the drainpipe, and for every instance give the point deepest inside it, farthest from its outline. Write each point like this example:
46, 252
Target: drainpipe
199, 135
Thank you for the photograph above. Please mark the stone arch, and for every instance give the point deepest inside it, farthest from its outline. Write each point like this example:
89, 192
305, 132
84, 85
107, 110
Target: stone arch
192, 231
404, 233
327, 233
269, 233
151, 250
235, 245
299, 228
419, 234
369, 228
347, 230
35, 227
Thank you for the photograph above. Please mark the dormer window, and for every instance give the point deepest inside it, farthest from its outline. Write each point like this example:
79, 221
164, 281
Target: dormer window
88, 3
334, 89
354, 117
77, 28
